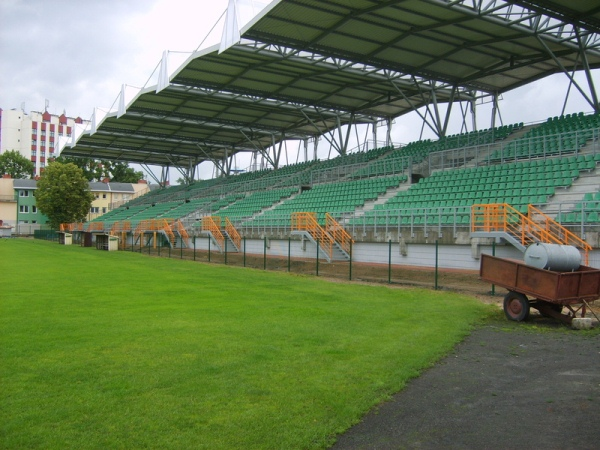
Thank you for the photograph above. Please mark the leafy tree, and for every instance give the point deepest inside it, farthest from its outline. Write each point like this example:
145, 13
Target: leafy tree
122, 173
98, 170
91, 168
16, 165
63, 194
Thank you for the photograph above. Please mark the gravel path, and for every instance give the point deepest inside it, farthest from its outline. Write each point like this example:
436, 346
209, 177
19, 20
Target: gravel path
504, 387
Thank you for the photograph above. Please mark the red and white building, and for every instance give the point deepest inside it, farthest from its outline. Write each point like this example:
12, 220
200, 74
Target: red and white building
35, 134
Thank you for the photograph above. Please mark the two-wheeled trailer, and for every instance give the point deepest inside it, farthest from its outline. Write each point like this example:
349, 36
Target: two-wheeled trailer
545, 290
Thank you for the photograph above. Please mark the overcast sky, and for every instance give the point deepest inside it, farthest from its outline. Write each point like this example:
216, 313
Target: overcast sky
77, 53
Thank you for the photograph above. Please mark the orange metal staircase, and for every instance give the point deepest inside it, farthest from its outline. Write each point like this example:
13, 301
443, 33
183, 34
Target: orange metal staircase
233, 234
331, 238
121, 229
502, 220
155, 226
222, 231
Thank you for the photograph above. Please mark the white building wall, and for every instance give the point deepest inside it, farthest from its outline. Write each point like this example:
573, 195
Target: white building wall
18, 133
13, 133
465, 257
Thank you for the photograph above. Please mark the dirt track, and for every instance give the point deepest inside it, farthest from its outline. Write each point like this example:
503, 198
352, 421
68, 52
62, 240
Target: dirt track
507, 386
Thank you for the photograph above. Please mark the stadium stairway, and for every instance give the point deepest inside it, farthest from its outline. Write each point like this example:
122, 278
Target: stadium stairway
565, 199
332, 239
391, 192
500, 220
222, 233
496, 146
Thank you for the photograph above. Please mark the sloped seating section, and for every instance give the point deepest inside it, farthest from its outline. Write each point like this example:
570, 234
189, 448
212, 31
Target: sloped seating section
254, 203
557, 136
190, 206
332, 198
268, 197
352, 158
419, 150
587, 210
156, 210
290, 175
453, 192
122, 213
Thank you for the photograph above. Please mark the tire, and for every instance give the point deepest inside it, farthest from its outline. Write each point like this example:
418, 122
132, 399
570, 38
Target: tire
516, 306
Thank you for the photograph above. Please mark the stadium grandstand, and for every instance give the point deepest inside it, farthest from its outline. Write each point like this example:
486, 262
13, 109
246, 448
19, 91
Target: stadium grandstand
312, 72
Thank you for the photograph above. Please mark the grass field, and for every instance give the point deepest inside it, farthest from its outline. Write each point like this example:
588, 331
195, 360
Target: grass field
117, 350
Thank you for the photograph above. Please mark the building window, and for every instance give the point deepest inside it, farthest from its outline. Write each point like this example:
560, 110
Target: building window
42, 164
33, 142
52, 134
34, 131
104, 210
24, 209
43, 133
94, 210
23, 193
33, 152
34, 209
103, 195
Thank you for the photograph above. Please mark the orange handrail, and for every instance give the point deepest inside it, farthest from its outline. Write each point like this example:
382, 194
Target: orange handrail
122, 227
566, 236
95, 226
338, 233
155, 225
163, 224
233, 233
213, 225
526, 229
178, 226
307, 221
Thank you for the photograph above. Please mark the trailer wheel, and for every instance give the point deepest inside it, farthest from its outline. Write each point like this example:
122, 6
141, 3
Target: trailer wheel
516, 306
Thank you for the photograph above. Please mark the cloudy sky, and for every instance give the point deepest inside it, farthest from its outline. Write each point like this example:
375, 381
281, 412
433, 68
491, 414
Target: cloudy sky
77, 53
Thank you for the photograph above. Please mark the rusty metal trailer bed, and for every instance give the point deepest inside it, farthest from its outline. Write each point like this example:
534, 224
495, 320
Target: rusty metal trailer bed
550, 291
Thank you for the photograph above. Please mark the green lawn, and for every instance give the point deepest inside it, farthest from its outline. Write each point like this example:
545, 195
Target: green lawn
117, 350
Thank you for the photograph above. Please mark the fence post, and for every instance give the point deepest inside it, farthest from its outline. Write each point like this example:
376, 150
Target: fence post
317, 257
493, 254
436, 264
265, 253
289, 252
244, 251
194, 239
181, 248
208, 248
389, 261
350, 269
226, 250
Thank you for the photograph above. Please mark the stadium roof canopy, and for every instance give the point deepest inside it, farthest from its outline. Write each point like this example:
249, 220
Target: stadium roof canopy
304, 68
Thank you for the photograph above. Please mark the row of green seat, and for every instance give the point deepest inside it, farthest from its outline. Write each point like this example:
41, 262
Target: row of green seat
254, 203
555, 136
332, 198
